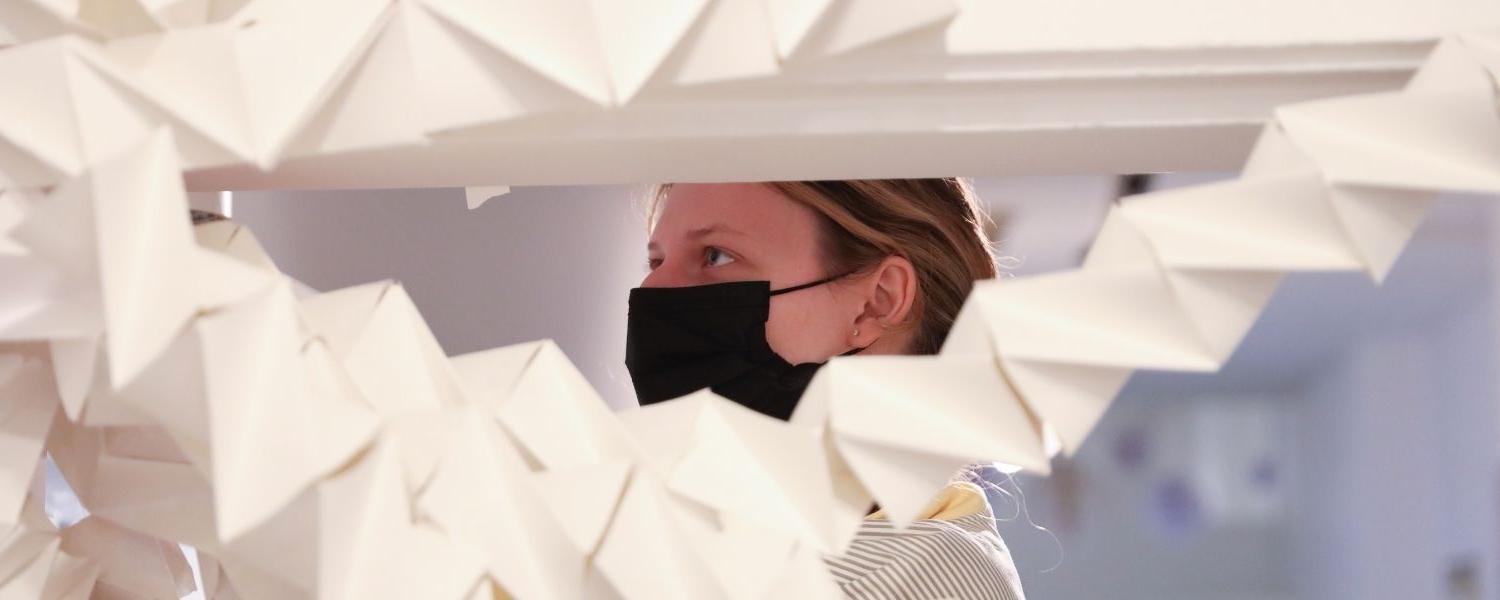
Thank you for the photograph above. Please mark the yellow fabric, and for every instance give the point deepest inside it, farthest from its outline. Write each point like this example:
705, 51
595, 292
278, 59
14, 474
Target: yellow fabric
959, 499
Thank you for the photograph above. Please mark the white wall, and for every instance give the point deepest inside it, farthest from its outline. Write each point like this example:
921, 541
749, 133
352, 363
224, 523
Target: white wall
536, 263
1403, 432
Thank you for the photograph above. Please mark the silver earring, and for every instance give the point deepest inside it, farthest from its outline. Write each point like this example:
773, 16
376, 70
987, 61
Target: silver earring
856, 333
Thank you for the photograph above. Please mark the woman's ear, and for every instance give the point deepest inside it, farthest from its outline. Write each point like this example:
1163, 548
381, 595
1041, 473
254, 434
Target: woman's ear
889, 293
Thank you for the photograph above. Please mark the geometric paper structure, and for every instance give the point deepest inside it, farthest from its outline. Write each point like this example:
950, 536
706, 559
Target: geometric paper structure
325, 447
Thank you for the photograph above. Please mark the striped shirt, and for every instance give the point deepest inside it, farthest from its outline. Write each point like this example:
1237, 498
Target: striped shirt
961, 558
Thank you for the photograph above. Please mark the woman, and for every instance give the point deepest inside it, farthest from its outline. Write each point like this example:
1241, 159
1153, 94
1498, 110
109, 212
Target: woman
753, 286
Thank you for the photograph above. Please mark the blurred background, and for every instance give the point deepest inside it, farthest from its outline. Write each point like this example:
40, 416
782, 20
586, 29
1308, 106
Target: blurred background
1347, 450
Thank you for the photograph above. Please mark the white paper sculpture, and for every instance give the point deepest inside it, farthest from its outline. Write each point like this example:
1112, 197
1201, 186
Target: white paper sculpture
324, 447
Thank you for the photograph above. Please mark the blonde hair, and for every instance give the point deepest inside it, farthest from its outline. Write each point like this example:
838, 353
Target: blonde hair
934, 223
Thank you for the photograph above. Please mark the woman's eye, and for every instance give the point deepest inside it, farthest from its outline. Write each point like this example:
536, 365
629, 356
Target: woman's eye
652, 264
717, 257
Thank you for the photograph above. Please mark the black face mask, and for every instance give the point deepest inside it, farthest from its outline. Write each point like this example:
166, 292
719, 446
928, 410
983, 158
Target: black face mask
680, 340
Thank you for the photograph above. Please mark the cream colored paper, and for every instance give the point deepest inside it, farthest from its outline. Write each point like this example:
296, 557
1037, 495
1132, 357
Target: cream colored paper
25, 420
325, 446
636, 37
645, 554
558, 417
274, 431
907, 427
779, 481
547, 39
730, 39
131, 565
482, 496
1407, 140
792, 19
862, 22
477, 196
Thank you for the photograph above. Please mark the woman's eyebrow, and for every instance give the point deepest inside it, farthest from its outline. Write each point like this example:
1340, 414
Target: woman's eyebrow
701, 232
714, 228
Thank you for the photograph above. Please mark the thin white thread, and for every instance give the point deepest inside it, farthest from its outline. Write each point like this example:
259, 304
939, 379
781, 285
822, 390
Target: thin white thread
1021, 510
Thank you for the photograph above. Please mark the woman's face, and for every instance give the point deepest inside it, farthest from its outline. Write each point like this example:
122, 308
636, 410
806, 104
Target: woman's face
714, 233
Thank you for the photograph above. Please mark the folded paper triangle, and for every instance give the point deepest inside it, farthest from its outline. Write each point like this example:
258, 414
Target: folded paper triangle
1413, 140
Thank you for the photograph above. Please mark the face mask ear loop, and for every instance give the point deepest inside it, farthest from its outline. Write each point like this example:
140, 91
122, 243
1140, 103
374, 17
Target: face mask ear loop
809, 284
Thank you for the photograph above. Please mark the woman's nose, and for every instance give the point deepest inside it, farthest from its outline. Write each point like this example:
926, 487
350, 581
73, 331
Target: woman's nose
669, 274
